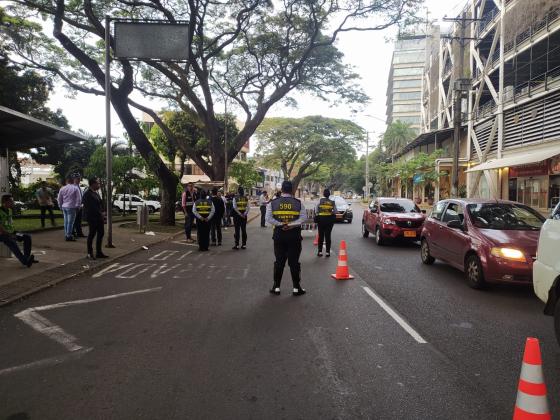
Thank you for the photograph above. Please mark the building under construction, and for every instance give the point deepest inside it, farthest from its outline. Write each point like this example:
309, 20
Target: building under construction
509, 77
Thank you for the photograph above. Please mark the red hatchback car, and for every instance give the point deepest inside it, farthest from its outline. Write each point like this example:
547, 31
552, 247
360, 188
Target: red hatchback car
393, 218
490, 240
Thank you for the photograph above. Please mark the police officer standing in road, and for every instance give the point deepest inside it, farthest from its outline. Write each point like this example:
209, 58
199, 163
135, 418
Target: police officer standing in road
216, 223
240, 212
203, 210
325, 216
286, 214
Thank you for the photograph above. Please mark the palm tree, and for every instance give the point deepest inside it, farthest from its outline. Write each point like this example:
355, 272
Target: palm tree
397, 136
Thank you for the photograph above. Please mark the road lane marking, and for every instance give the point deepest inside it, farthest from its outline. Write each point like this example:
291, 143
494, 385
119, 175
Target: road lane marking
395, 316
111, 269
186, 254
163, 255
54, 332
51, 361
133, 274
163, 269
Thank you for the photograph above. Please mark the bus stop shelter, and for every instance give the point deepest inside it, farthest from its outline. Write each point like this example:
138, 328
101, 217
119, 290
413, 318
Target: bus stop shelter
20, 132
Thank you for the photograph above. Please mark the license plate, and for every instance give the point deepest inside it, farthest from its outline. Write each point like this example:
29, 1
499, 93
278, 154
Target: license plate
409, 234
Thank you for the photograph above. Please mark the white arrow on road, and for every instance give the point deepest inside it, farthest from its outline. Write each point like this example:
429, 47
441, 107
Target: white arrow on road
43, 326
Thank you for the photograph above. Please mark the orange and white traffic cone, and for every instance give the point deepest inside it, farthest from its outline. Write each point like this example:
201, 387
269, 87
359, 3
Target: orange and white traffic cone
531, 401
342, 267
316, 240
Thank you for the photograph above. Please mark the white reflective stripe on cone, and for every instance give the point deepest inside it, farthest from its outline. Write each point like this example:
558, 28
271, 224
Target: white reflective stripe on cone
342, 263
342, 252
532, 373
532, 403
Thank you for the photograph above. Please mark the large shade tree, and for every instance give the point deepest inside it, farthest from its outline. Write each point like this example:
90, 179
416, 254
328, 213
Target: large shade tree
301, 147
254, 53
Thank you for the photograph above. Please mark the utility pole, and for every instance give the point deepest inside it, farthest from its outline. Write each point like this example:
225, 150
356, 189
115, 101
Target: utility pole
460, 88
109, 156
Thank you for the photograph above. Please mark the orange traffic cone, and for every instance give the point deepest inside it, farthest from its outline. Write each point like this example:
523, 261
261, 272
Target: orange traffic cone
342, 267
531, 401
316, 241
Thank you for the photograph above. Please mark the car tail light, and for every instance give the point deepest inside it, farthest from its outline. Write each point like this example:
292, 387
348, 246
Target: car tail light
509, 254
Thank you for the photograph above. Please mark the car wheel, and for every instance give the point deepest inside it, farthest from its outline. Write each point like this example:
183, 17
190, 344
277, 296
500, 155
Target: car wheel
473, 270
349, 221
365, 232
557, 320
379, 237
151, 209
425, 253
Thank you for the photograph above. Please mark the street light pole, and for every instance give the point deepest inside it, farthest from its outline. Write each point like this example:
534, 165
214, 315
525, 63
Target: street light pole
366, 190
108, 157
225, 148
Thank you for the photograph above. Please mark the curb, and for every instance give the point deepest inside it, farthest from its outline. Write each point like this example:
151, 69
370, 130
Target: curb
18, 296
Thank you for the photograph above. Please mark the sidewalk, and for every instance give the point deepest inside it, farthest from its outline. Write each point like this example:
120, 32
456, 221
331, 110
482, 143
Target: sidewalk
60, 260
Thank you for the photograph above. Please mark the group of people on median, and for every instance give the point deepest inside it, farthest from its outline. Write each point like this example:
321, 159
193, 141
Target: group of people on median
76, 206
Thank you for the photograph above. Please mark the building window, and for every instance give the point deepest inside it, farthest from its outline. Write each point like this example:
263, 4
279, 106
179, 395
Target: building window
406, 96
533, 191
408, 71
416, 83
188, 169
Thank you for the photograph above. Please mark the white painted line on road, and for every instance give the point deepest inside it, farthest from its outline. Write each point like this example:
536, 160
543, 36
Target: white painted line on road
111, 269
43, 326
163, 255
163, 269
51, 361
143, 267
395, 316
186, 254
97, 299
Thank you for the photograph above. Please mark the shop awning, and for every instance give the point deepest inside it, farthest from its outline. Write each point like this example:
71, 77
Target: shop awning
520, 158
20, 132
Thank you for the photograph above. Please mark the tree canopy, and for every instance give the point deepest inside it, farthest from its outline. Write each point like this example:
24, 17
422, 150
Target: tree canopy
300, 147
397, 135
254, 53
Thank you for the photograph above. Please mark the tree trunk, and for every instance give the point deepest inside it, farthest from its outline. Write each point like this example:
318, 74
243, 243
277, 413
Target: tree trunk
168, 180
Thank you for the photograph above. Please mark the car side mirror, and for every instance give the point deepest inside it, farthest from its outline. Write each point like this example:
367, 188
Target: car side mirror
455, 224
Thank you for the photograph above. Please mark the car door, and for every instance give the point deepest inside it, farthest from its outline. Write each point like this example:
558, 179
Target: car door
434, 228
453, 240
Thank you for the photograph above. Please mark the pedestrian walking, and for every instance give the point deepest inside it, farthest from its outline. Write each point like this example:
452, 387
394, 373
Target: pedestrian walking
77, 229
45, 198
240, 211
325, 218
216, 222
263, 202
286, 214
94, 213
10, 237
188, 198
203, 210
69, 200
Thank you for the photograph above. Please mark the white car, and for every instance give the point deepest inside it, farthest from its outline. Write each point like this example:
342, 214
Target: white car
546, 269
132, 202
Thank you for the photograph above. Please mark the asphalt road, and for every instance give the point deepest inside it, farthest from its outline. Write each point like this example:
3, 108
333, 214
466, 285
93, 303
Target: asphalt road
170, 333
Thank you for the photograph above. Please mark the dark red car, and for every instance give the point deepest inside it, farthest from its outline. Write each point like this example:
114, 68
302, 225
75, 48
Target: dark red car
490, 240
393, 218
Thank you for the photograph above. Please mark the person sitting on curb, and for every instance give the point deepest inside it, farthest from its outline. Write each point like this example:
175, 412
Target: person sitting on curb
8, 235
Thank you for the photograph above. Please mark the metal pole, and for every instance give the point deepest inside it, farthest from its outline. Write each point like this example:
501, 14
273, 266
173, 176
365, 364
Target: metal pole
367, 165
109, 157
458, 91
225, 148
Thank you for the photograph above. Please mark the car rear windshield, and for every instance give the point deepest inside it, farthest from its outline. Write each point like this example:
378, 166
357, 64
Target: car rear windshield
339, 202
505, 216
399, 207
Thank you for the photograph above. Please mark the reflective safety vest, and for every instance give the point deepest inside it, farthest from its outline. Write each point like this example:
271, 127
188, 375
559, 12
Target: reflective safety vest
189, 198
326, 207
285, 209
241, 202
204, 207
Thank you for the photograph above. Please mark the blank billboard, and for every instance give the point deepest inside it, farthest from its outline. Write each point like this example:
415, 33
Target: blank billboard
151, 40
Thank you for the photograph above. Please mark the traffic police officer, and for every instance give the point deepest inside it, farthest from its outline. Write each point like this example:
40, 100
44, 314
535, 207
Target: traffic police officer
203, 210
326, 216
240, 212
286, 214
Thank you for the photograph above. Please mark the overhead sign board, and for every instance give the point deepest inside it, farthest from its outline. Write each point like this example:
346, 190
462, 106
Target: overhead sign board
151, 40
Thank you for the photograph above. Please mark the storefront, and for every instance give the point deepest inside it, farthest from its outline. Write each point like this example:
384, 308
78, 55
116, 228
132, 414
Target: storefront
531, 177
